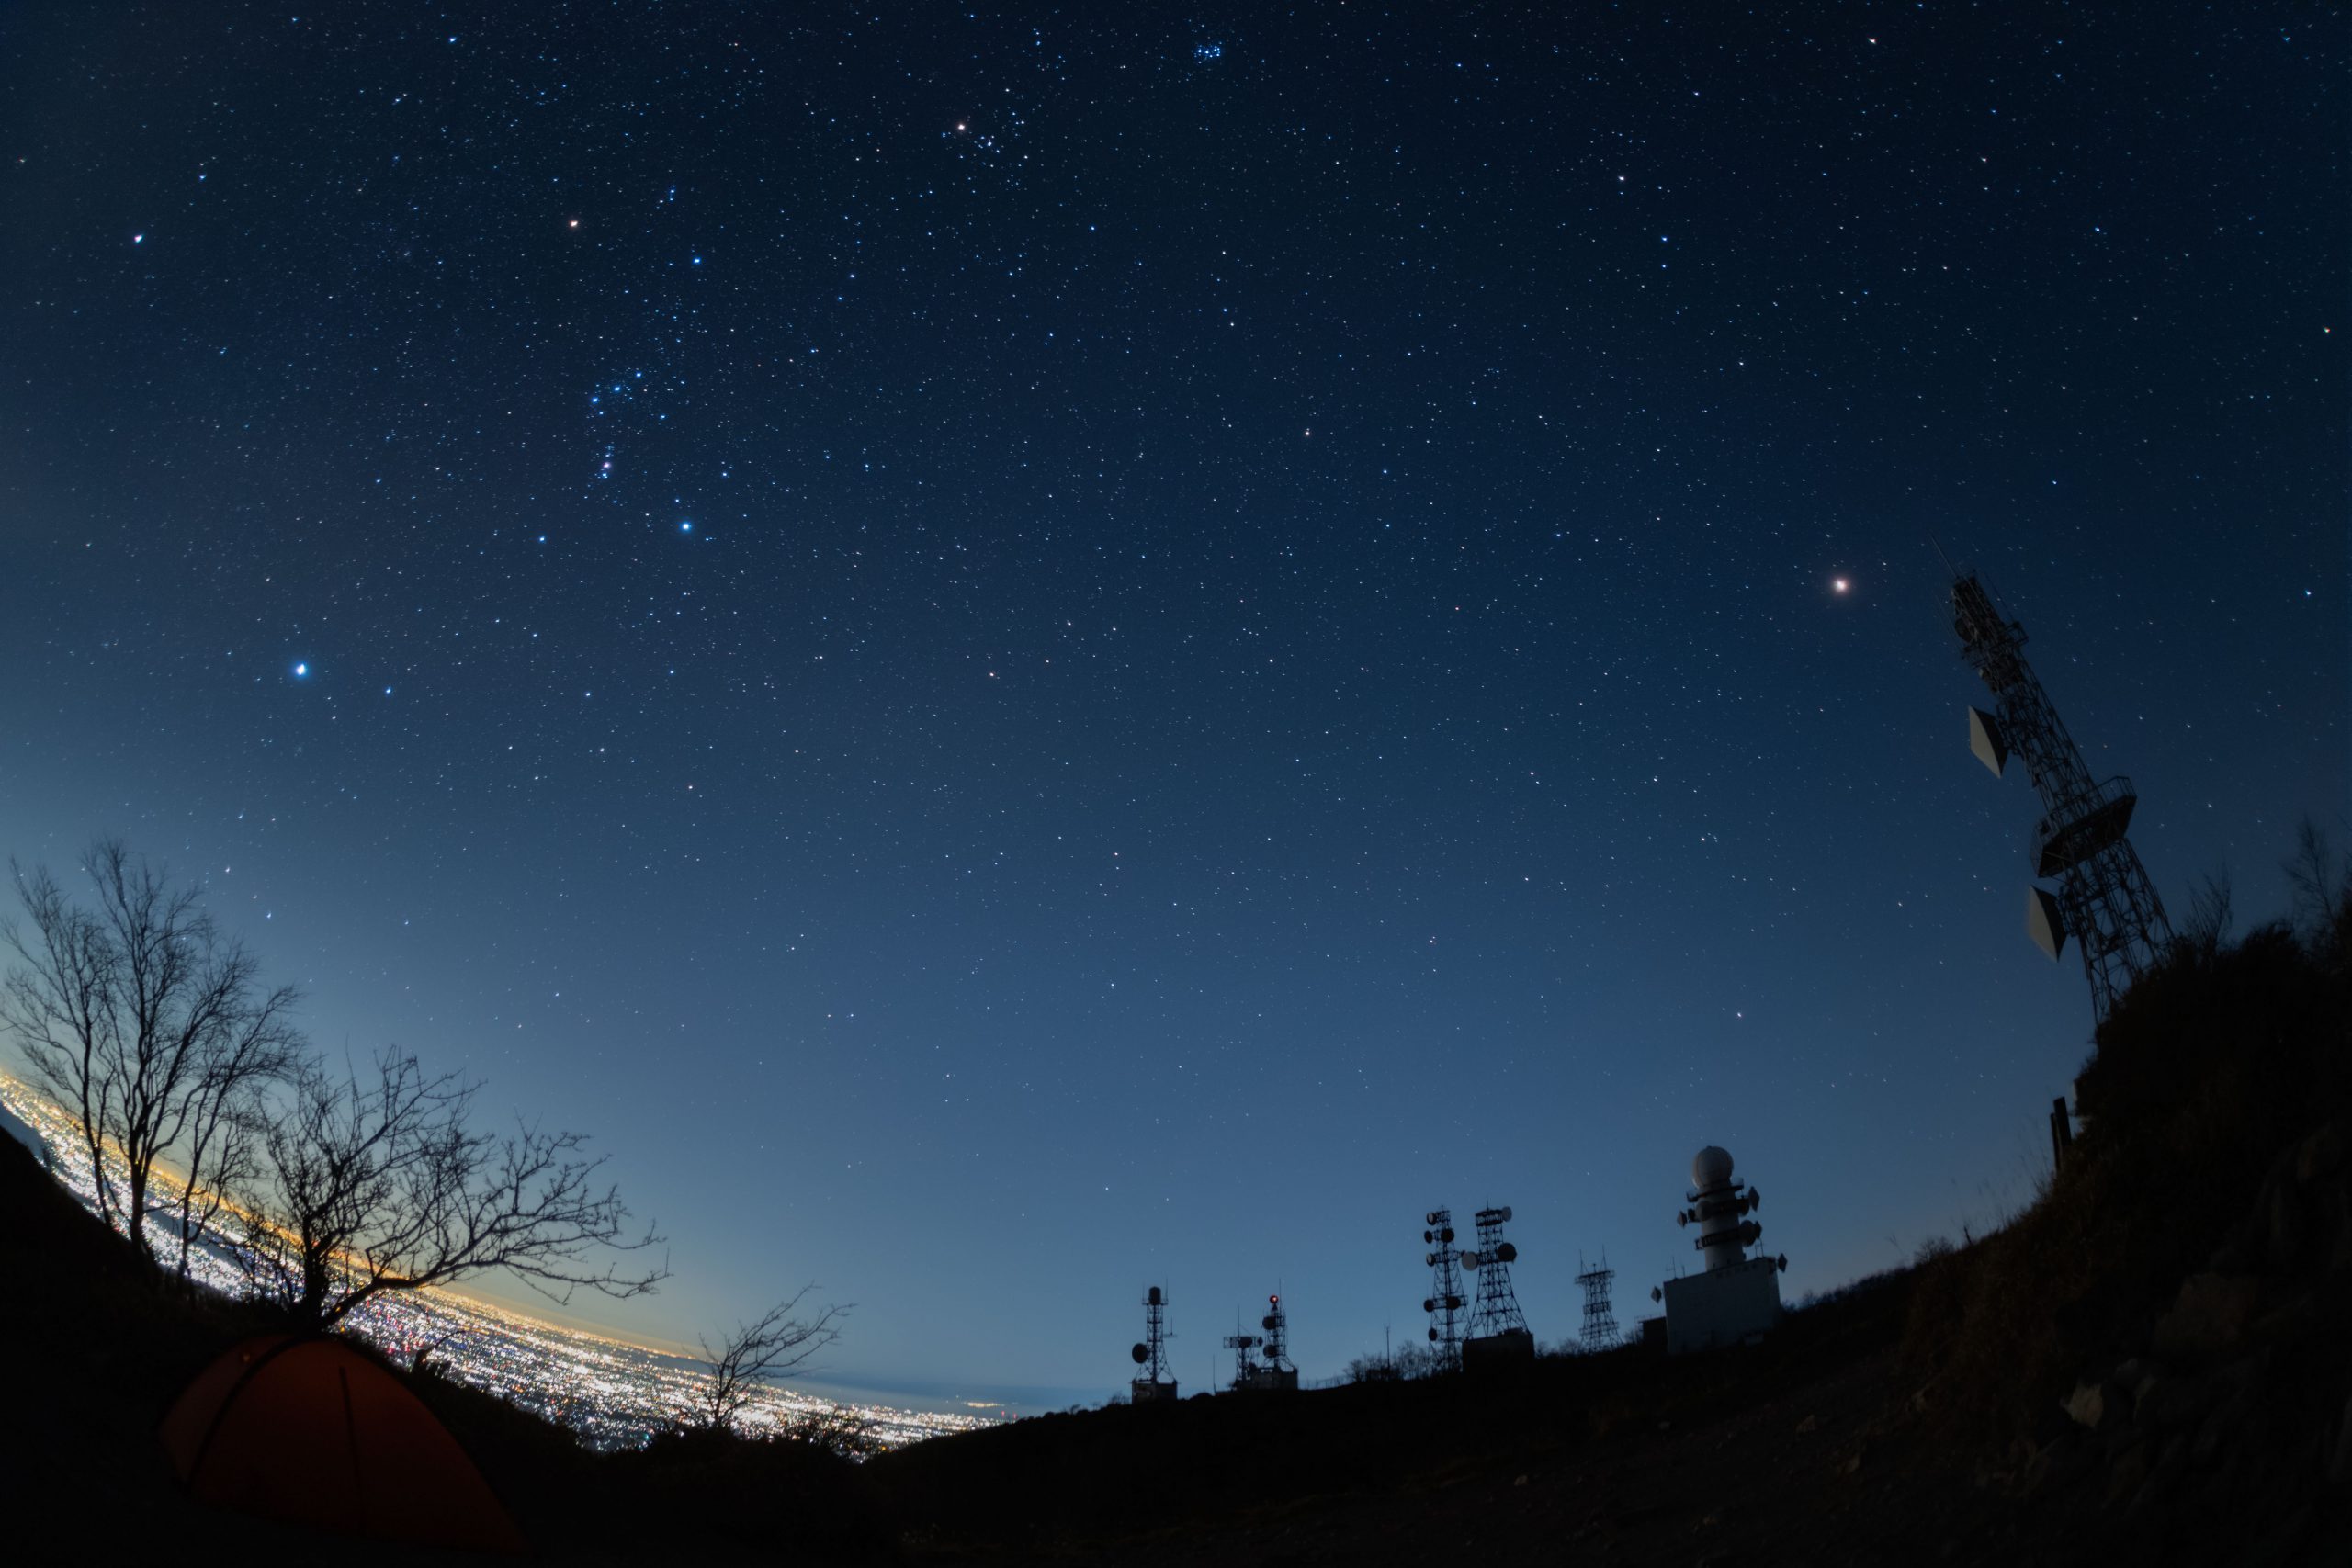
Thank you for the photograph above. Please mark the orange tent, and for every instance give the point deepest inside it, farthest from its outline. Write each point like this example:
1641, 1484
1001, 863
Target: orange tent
314, 1430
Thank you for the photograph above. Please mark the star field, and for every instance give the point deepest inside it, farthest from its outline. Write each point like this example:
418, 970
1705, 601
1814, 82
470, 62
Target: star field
1021, 651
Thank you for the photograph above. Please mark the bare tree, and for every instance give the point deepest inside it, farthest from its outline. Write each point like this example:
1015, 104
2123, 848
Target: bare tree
776, 1344
2321, 883
148, 1024
367, 1187
2205, 929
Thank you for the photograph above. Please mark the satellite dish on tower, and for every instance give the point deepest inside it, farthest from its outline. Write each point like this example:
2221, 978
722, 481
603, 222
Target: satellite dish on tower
1987, 741
1141, 1354
2044, 922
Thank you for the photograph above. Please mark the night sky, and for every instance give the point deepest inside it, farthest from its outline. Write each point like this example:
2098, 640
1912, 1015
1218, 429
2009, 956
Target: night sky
1020, 653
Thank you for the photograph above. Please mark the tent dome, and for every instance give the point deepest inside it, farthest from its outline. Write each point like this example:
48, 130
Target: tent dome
317, 1431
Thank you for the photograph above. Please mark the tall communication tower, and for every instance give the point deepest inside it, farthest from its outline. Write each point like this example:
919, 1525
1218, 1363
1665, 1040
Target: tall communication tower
1444, 1299
1154, 1380
1497, 1309
1599, 1321
1498, 1334
2105, 900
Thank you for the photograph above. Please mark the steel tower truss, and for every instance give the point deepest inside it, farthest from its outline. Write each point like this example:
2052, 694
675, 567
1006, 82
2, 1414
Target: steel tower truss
1444, 1300
1600, 1320
1497, 1309
2105, 900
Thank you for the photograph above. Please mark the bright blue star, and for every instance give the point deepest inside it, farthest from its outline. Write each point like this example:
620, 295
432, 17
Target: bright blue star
301, 670
685, 527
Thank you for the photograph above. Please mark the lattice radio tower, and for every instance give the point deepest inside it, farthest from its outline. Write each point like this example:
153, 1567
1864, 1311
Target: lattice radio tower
1497, 1309
2105, 900
1275, 1370
1444, 1300
1153, 1380
1599, 1321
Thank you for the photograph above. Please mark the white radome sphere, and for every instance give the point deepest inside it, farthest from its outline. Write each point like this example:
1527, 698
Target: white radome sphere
1711, 1167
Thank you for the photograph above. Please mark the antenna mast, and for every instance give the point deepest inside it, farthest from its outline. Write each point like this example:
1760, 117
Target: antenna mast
1599, 1321
1497, 1309
1444, 1299
1154, 1380
1275, 1370
2105, 900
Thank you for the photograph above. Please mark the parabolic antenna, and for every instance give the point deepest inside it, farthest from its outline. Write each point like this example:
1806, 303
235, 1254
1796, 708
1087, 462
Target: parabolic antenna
1986, 739
2044, 923
1153, 1299
1140, 1354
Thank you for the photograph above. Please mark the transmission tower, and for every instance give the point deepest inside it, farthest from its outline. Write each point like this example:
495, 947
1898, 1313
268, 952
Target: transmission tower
1276, 1323
1498, 1310
1153, 1380
1600, 1321
1445, 1287
2105, 900
1275, 1370
1241, 1344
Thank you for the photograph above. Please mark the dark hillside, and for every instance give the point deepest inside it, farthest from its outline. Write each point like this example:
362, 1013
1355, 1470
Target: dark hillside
2149, 1361
2167, 1325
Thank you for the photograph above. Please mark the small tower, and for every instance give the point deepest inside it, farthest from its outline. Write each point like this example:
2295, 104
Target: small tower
1155, 1382
2105, 900
1499, 1332
1444, 1299
1273, 1372
1738, 1297
1600, 1320
1241, 1344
